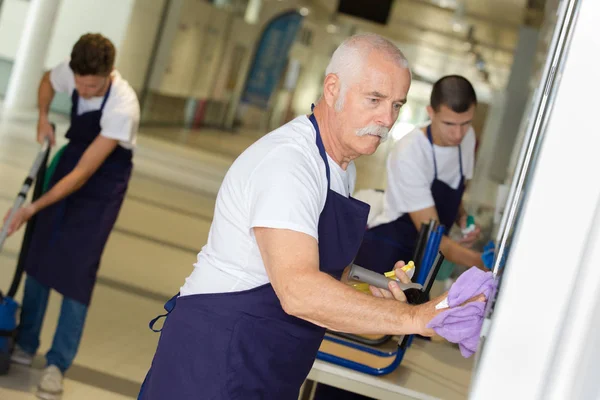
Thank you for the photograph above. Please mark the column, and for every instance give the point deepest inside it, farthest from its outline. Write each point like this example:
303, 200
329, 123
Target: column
21, 95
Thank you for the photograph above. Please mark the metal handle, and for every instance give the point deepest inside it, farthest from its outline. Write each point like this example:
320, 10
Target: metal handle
378, 280
37, 163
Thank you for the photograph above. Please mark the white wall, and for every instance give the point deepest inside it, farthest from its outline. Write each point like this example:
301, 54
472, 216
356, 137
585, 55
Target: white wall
75, 17
314, 60
242, 39
163, 54
482, 190
185, 49
190, 50
215, 33
12, 22
136, 49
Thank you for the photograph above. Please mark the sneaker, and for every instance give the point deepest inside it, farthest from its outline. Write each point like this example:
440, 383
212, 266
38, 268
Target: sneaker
20, 356
51, 384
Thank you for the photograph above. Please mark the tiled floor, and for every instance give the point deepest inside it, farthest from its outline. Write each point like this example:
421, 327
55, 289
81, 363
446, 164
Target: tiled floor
163, 224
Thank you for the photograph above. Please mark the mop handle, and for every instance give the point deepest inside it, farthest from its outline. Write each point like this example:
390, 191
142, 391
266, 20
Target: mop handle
25, 189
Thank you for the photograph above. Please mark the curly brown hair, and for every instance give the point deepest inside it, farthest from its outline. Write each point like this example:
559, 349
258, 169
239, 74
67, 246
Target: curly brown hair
93, 54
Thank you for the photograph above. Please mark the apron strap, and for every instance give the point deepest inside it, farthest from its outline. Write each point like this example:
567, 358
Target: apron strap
106, 95
320, 145
75, 102
75, 98
433, 153
460, 162
169, 306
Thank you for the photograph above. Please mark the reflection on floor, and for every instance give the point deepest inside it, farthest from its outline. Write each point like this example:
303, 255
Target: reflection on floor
163, 224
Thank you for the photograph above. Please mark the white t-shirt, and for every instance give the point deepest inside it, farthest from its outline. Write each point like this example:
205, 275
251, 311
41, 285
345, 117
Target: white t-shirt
410, 173
278, 182
121, 115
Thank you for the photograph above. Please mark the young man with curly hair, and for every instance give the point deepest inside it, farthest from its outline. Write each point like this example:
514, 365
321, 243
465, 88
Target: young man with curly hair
77, 213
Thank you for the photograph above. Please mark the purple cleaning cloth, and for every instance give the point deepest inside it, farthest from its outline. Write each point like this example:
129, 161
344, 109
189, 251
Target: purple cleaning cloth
470, 284
462, 324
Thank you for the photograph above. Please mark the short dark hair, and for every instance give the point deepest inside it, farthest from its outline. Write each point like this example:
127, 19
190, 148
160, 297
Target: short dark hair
453, 91
93, 54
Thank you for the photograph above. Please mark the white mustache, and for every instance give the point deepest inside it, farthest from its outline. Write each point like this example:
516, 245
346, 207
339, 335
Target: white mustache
374, 129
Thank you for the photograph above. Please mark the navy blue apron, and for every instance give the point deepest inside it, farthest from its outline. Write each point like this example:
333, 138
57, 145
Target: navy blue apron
70, 235
386, 244
242, 345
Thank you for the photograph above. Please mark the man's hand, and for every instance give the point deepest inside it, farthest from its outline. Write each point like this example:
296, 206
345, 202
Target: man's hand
469, 239
424, 313
394, 291
44, 130
22, 215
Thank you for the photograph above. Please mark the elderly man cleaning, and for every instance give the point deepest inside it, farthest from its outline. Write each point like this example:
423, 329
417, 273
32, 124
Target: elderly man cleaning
248, 321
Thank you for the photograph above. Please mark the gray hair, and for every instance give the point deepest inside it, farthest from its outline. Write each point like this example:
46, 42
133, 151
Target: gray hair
347, 60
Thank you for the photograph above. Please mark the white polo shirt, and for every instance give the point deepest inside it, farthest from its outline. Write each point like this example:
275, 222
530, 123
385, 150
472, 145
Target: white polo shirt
278, 182
410, 173
121, 115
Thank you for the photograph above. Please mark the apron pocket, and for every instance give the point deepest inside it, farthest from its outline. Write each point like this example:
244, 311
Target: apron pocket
191, 357
269, 359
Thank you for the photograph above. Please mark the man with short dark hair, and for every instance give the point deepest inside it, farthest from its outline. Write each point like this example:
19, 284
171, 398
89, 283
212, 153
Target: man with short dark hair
427, 171
77, 213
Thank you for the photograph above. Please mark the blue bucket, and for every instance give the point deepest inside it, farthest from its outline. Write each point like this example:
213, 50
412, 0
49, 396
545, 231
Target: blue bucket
8, 322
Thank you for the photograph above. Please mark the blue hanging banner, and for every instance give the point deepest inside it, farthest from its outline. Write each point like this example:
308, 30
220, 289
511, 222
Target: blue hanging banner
270, 58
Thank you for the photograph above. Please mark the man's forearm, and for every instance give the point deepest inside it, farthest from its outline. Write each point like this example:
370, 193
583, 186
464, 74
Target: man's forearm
67, 185
322, 300
45, 96
292, 263
458, 254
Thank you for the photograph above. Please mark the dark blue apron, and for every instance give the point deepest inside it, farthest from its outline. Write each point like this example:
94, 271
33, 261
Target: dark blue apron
70, 235
386, 244
242, 345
